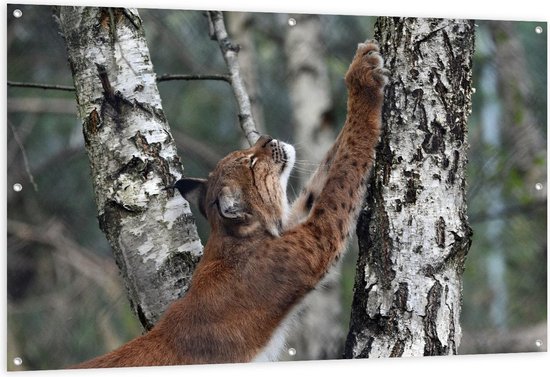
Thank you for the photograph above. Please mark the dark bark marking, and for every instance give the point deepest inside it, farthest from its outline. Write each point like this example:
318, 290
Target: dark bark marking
91, 125
376, 243
148, 325
398, 205
454, 168
439, 87
451, 340
179, 264
433, 345
417, 156
157, 163
445, 163
108, 91
401, 297
398, 349
440, 232
385, 154
417, 94
434, 140
413, 186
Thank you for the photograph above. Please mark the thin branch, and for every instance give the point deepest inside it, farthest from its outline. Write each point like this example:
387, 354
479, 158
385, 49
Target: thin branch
162, 78
65, 88
230, 52
169, 77
24, 154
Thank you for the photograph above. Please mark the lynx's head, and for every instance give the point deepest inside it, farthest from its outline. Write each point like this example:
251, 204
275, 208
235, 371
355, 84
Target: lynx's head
246, 192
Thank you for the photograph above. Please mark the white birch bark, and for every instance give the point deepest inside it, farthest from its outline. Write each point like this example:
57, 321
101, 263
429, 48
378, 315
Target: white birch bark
319, 333
414, 234
132, 156
309, 87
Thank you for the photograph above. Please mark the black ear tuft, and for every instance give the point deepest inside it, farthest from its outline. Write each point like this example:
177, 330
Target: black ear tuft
193, 190
187, 185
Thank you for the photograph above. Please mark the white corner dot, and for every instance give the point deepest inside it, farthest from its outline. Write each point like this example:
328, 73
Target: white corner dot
291, 351
17, 361
538, 30
538, 343
538, 186
292, 21
17, 13
17, 187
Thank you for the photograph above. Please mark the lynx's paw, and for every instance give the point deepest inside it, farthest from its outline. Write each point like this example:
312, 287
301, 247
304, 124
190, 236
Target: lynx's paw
367, 71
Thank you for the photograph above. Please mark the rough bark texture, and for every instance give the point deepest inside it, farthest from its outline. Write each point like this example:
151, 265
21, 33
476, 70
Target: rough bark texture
132, 156
319, 334
413, 233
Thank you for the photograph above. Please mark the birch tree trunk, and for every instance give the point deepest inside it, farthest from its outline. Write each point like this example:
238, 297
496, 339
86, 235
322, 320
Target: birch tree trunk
414, 234
132, 156
320, 334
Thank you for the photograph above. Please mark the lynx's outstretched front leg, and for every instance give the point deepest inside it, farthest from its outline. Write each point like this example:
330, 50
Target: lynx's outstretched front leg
335, 191
303, 204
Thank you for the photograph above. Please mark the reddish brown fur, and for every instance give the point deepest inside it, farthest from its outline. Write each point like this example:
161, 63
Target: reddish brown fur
257, 266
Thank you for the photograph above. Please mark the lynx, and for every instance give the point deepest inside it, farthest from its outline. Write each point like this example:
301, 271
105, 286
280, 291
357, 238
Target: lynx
264, 256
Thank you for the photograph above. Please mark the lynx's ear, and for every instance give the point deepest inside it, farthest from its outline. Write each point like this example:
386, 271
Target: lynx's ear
230, 204
193, 190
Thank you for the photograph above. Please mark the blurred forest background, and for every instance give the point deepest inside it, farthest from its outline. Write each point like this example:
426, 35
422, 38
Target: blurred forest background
66, 301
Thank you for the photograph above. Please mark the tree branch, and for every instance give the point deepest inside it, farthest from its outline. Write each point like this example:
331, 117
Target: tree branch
162, 78
173, 77
18, 84
230, 52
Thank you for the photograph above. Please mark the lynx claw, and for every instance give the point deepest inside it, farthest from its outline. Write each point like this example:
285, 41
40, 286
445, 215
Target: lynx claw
381, 75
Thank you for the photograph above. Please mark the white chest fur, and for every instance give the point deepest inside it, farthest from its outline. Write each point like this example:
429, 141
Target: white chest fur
277, 343
274, 348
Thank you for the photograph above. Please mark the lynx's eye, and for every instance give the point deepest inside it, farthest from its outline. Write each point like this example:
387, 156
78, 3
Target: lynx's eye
253, 161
